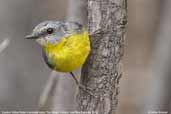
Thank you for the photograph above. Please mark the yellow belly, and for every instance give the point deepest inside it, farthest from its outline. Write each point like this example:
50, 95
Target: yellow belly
70, 53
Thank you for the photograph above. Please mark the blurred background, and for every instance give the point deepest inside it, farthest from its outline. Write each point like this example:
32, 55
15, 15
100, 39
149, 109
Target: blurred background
23, 74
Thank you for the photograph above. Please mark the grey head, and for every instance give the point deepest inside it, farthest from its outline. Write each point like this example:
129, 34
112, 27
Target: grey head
53, 31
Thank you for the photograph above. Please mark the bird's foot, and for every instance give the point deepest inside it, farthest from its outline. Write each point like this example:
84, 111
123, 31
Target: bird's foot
87, 89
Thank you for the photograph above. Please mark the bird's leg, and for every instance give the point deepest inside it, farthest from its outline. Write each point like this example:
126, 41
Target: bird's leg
73, 76
88, 90
77, 82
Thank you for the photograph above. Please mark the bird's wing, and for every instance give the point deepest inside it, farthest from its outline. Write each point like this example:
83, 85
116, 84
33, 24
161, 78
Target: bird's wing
50, 65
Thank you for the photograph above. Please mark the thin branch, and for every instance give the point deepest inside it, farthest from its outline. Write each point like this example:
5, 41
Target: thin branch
4, 44
48, 91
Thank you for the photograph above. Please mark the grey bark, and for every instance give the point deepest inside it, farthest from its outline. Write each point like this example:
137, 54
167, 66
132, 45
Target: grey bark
102, 71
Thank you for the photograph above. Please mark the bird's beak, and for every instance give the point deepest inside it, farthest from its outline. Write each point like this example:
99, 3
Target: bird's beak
31, 36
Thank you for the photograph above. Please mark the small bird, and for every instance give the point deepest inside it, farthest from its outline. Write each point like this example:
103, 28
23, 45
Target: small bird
65, 45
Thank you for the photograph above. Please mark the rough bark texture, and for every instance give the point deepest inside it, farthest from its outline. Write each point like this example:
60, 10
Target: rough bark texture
106, 23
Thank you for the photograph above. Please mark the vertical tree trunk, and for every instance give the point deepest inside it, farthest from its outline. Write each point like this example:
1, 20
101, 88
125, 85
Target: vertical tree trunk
106, 23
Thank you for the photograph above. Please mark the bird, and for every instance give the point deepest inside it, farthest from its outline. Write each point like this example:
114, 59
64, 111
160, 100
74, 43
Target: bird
65, 45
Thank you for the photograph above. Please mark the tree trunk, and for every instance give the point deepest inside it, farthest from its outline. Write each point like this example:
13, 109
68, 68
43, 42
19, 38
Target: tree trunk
102, 71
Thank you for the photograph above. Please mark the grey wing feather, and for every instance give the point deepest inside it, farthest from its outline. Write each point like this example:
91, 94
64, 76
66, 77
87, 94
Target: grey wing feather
46, 60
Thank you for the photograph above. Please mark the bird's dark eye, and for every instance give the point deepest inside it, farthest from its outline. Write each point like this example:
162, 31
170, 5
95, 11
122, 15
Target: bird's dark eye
50, 30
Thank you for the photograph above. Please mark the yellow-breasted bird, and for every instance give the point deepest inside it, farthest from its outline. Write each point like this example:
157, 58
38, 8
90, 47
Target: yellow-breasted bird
66, 45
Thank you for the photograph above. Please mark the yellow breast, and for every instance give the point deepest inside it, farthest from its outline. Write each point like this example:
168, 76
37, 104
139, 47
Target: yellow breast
70, 53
